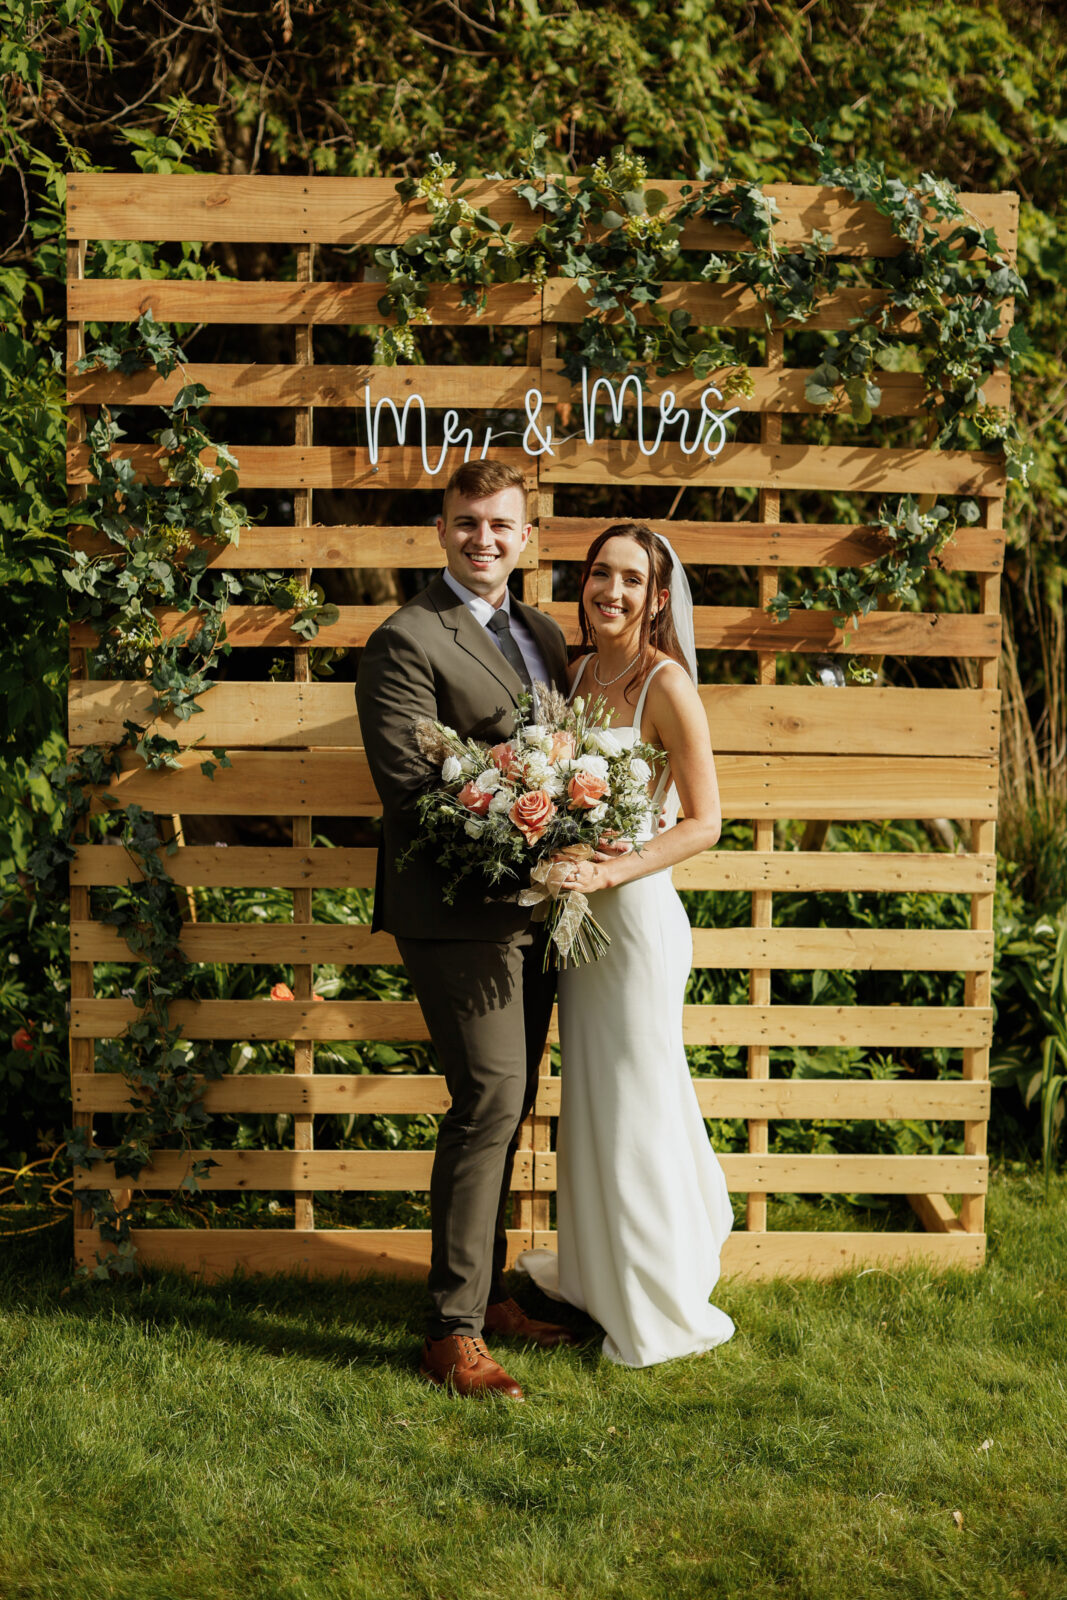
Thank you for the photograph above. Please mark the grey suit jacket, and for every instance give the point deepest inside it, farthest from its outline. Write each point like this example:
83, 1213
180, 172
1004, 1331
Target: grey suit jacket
432, 659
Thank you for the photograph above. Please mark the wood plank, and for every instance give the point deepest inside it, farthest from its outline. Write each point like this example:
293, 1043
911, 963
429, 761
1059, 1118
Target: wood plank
406, 1094
214, 1254
240, 303
732, 305
338, 546
802, 949
903, 394
329, 783
300, 210
283, 386
246, 867
848, 469
935, 1213
292, 466
790, 720
902, 633
906, 1027
405, 1170
787, 544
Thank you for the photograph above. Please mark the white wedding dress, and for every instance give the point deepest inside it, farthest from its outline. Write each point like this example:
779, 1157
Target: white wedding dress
642, 1205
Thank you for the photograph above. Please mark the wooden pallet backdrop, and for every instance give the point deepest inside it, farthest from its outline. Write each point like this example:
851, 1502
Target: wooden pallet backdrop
783, 751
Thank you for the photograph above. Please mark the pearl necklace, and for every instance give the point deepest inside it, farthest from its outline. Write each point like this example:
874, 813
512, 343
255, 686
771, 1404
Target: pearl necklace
618, 675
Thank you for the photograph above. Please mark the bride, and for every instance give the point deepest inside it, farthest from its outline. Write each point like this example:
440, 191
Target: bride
642, 1205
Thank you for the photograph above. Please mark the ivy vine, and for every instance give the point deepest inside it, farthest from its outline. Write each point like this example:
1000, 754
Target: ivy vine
156, 549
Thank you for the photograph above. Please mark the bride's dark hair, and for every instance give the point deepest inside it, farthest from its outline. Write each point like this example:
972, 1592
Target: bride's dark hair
657, 623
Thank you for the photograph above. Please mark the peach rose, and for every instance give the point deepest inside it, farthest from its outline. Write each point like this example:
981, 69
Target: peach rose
531, 813
586, 790
506, 761
282, 991
562, 746
475, 799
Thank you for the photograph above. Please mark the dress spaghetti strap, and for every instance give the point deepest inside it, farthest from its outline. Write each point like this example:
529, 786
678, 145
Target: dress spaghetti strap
581, 673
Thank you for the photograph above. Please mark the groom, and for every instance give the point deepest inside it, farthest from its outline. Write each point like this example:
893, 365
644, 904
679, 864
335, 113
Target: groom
462, 652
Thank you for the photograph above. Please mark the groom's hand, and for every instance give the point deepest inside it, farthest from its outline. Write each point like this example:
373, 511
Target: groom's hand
609, 849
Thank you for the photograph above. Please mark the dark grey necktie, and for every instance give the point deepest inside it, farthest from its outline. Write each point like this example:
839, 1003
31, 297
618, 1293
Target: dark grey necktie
499, 626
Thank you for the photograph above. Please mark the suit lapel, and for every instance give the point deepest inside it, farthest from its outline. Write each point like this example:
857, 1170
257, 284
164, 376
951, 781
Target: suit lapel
473, 638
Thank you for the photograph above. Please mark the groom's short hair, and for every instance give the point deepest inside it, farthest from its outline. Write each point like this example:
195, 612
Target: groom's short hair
477, 480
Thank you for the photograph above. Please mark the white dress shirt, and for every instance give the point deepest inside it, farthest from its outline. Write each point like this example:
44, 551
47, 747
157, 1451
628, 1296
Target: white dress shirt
482, 611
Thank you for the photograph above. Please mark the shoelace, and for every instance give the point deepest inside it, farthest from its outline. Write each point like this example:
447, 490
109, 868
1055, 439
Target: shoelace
472, 1346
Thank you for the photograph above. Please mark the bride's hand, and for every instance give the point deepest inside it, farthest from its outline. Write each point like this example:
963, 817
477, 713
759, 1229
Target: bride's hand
586, 877
609, 848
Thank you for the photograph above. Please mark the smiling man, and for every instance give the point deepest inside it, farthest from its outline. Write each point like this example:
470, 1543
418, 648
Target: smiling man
462, 652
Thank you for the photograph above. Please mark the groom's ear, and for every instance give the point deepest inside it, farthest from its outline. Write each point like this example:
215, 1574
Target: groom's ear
441, 532
527, 529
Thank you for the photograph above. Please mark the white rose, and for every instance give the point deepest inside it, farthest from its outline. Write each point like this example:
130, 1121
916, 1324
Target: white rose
474, 827
596, 766
605, 741
640, 770
489, 781
503, 800
451, 769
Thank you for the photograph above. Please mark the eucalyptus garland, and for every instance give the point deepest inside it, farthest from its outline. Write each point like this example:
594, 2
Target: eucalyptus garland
155, 553
621, 241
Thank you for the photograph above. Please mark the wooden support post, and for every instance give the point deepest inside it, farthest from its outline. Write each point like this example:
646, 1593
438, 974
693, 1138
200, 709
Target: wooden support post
532, 1207
978, 985
82, 1051
304, 974
759, 983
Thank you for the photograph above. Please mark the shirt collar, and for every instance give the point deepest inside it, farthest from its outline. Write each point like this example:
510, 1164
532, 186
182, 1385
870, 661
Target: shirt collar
479, 609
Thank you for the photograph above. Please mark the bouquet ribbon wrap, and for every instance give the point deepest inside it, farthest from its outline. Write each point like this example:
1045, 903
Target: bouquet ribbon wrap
546, 887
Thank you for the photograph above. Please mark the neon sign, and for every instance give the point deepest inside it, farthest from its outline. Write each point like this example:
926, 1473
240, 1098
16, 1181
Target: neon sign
710, 435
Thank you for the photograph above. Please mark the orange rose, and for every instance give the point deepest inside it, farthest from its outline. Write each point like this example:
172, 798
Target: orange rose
282, 991
506, 761
562, 746
531, 813
474, 799
586, 790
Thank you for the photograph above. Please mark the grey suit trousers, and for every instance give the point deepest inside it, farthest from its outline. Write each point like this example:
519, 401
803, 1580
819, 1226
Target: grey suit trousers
487, 1005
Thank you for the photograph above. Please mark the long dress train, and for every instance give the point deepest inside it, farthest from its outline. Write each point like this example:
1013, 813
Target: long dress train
642, 1205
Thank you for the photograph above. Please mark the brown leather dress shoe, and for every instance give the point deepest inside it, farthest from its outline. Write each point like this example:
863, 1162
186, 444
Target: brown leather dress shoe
463, 1364
506, 1318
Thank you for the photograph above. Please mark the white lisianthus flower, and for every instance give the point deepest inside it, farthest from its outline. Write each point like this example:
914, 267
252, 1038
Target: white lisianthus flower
640, 770
451, 769
474, 827
503, 800
489, 781
605, 741
596, 766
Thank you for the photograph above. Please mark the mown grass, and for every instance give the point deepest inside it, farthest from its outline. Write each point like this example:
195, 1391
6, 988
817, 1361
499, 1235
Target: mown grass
268, 1438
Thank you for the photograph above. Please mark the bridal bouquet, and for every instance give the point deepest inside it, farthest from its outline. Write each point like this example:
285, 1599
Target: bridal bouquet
535, 804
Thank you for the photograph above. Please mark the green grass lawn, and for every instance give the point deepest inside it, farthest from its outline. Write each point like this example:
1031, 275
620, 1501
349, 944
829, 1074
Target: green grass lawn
889, 1433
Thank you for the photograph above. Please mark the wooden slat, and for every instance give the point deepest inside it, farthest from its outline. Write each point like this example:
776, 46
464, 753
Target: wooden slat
243, 867
258, 303
405, 1252
407, 1094
791, 720
713, 305
331, 783
906, 1027
787, 544
268, 209
805, 949
935, 1213
290, 466
903, 633
851, 469
238, 384
341, 546
903, 394
410, 1169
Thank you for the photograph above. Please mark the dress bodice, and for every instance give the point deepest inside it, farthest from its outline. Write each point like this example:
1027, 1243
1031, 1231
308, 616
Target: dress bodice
663, 798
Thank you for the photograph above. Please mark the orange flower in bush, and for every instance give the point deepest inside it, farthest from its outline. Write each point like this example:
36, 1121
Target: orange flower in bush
475, 799
22, 1038
586, 790
532, 813
282, 991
